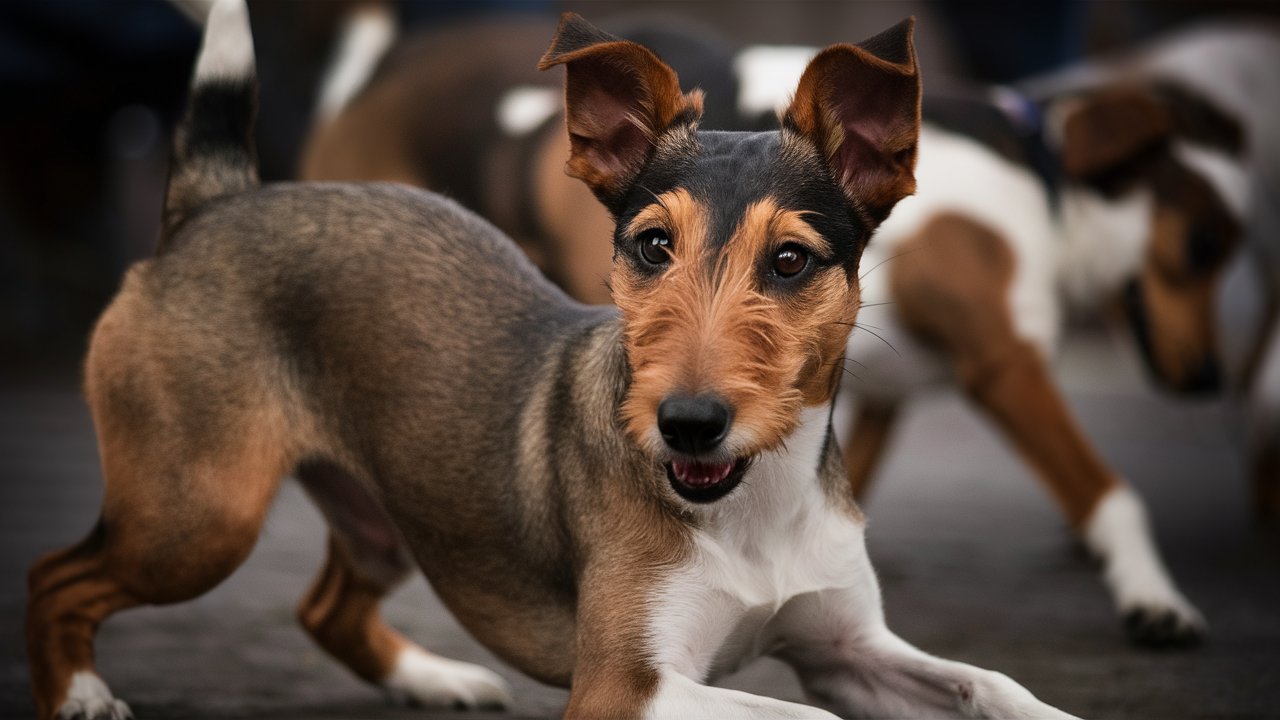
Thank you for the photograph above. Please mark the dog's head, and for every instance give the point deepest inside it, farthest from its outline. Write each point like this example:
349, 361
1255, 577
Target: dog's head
1182, 156
736, 254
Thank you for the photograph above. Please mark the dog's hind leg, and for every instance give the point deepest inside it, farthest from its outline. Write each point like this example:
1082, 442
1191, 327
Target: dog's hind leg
1264, 427
868, 438
170, 531
70, 593
192, 452
367, 559
176, 521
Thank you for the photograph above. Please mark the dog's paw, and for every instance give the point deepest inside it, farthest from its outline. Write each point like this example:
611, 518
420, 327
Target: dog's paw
423, 679
95, 710
1164, 625
89, 699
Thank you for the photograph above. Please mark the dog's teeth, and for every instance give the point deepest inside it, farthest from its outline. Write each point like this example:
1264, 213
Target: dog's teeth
696, 473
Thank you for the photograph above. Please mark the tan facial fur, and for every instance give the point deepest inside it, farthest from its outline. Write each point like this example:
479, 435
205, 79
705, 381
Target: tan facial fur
706, 324
1179, 303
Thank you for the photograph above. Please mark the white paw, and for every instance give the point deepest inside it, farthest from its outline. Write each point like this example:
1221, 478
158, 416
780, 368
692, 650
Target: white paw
1162, 620
996, 695
1154, 612
420, 678
88, 698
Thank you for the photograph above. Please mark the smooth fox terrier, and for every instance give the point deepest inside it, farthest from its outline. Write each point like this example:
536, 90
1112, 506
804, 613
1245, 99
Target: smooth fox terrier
627, 502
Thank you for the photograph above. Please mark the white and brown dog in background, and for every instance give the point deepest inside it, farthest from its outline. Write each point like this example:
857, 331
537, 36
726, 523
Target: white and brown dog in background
1132, 191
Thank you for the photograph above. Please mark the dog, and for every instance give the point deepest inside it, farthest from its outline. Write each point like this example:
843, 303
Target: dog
1131, 191
624, 501
1127, 186
1232, 64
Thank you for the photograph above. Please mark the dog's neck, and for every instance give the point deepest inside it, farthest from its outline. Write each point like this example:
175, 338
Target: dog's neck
1103, 241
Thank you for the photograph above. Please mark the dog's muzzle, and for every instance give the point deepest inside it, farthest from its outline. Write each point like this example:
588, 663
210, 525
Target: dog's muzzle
1206, 378
694, 427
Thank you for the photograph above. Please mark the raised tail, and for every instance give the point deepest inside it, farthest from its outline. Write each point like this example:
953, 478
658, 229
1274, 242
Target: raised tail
213, 149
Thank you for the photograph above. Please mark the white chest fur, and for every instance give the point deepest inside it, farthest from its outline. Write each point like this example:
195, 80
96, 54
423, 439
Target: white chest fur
776, 537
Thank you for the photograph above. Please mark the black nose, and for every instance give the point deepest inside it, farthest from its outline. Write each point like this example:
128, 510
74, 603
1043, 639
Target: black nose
693, 424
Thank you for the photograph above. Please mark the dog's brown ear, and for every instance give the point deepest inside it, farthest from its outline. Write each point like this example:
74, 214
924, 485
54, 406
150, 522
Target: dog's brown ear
1104, 129
860, 105
619, 98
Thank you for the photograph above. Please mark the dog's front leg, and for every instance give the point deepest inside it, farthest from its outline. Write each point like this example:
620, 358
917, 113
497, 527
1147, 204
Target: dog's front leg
1014, 387
884, 676
682, 697
849, 661
640, 690
644, 647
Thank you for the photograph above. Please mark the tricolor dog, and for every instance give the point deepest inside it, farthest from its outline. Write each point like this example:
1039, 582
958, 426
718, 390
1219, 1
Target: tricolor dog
1130, 193
627, 502
1120, 188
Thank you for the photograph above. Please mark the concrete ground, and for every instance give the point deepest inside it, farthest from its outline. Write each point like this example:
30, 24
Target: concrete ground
974, 561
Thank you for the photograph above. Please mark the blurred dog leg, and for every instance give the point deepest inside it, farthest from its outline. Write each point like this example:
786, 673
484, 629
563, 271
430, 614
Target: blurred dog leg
872, 428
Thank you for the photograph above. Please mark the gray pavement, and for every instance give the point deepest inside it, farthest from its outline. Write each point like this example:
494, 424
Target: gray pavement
975, 563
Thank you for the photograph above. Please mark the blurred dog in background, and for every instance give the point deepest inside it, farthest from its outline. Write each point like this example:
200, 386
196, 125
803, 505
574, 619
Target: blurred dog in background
1124, 186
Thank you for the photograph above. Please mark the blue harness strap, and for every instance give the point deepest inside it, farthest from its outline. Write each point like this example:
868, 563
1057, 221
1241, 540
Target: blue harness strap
1027, 119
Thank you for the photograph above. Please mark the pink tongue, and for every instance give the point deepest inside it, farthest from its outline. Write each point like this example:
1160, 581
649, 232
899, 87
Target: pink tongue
699, 474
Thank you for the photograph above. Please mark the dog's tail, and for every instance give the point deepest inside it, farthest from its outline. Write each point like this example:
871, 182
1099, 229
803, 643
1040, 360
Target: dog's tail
213, 150
368, 31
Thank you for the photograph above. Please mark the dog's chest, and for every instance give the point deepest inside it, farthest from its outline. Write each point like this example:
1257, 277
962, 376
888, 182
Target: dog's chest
778, 540
750, 582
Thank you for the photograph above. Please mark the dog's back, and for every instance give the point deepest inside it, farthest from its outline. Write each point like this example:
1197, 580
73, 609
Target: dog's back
352, 335
327, 323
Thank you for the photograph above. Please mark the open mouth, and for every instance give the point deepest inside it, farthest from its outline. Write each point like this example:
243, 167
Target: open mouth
704, 482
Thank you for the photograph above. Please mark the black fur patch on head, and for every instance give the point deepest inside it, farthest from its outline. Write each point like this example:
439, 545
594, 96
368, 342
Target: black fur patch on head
728, 171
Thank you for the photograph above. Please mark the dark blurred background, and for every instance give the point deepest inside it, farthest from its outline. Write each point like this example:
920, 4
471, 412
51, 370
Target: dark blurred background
92, 90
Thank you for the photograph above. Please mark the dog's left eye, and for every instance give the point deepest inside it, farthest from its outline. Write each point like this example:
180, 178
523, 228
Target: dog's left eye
790, 260
655, 246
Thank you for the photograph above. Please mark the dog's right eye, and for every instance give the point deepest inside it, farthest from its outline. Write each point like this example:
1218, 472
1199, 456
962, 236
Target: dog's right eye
655, 246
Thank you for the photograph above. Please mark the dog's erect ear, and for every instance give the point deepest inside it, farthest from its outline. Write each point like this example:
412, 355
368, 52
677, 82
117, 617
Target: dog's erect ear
619, 98
1102, 130
1200, 120
860, 105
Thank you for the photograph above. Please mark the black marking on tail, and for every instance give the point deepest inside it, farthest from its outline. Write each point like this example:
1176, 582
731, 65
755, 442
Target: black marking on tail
213, 150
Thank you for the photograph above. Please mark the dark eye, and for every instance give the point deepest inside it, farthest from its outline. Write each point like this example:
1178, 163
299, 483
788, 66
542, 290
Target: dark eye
655, 246
790, 260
